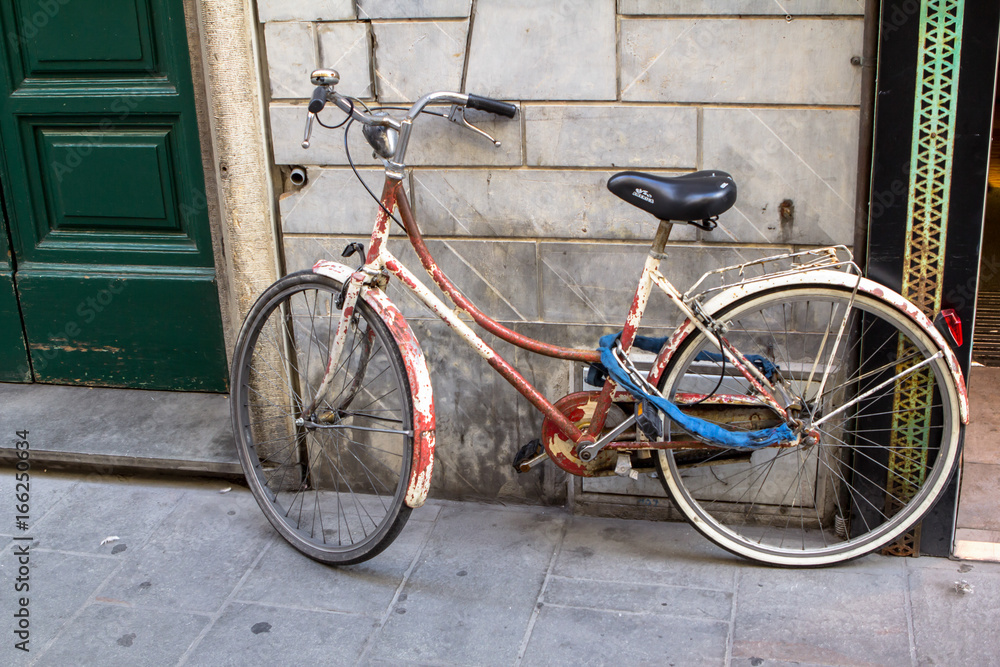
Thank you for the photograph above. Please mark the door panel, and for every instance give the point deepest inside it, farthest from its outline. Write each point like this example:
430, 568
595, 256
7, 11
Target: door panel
137, 329
91, 37
106, 189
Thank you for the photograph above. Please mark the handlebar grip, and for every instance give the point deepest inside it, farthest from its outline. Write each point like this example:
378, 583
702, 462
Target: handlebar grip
493, 106
318, 100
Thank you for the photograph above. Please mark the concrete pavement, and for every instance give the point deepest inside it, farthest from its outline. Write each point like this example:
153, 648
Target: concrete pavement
198, 577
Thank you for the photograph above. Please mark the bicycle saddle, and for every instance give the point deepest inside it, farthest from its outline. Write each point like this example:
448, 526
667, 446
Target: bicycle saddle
698, 196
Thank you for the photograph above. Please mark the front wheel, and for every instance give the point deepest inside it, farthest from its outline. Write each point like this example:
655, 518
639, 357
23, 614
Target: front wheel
881, 461
332, 484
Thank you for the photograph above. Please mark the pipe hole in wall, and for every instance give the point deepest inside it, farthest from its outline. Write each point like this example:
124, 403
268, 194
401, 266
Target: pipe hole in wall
297, 177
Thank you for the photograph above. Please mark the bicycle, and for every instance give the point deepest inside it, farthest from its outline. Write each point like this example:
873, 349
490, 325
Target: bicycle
777, 415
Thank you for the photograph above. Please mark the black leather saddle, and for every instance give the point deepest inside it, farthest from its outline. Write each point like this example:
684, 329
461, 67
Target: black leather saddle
696, 198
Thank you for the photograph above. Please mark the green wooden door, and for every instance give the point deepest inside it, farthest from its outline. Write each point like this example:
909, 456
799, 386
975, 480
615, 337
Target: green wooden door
13, 355
105, 197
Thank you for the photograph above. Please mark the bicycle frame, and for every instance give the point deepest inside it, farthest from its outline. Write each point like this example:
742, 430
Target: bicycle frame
380, 262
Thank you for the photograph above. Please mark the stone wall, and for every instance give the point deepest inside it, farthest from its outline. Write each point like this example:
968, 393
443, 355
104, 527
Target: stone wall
763, 89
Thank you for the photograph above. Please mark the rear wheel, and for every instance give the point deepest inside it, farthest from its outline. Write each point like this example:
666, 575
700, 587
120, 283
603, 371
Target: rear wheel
880, 462
334, 485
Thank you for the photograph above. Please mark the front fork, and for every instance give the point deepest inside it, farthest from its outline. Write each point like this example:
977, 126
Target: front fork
351, 294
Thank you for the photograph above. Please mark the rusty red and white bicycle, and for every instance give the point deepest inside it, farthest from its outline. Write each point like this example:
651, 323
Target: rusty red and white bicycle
801, 414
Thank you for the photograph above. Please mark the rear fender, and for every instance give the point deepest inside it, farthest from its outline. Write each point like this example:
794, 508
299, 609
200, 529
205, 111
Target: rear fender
818, 278
417, 374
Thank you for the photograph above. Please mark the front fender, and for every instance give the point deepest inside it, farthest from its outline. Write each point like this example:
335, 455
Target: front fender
819, 278
417, 374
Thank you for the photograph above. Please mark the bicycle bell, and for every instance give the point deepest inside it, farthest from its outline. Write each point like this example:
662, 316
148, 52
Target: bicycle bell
325, 77
383, 139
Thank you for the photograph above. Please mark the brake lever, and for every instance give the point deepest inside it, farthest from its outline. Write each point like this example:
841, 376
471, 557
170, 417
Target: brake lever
309, 125
457, 116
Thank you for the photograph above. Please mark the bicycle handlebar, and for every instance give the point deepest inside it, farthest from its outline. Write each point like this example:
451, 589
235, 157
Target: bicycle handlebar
492, 105
318, 100
325, 92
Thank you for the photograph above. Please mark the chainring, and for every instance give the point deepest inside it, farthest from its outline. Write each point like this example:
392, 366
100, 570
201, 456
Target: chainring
579, 408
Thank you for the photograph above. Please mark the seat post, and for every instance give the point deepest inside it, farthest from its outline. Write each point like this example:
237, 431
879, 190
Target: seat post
660, 240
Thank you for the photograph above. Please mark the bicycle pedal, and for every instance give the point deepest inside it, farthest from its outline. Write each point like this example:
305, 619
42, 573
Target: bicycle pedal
649, 421
529, 456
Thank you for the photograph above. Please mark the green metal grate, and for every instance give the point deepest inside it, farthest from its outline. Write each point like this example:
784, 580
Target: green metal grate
934, 112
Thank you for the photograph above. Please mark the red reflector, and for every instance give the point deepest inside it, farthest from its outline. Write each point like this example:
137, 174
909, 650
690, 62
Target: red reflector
954, 325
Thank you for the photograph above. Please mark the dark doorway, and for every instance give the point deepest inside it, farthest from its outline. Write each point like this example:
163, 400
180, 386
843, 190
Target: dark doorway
986, 342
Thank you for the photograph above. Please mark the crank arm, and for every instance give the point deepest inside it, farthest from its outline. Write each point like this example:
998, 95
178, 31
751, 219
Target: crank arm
588, 452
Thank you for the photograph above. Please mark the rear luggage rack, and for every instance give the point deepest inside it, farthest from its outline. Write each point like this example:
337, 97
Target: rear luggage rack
829, 258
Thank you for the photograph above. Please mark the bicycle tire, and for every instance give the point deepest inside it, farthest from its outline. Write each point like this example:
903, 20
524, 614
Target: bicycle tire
335, 491
808, 506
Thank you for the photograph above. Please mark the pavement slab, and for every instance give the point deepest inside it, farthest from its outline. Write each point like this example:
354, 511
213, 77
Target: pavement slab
952, 627
113, 634
826, 617
58, 585
124, 509
573, 636
251, 634
365, 588
45, 491
198, 554
471, 596
643, 551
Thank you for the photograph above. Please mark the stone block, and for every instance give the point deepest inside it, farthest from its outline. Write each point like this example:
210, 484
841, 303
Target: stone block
346, 47
500, 278
740, 7
172, 570
538, 203
611, 136
434, 142
805, 156
305, 10
595, 282
768, 61
130, 511
59, 584
413, 59
413, 9
291, 58
332, 202
525, 50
